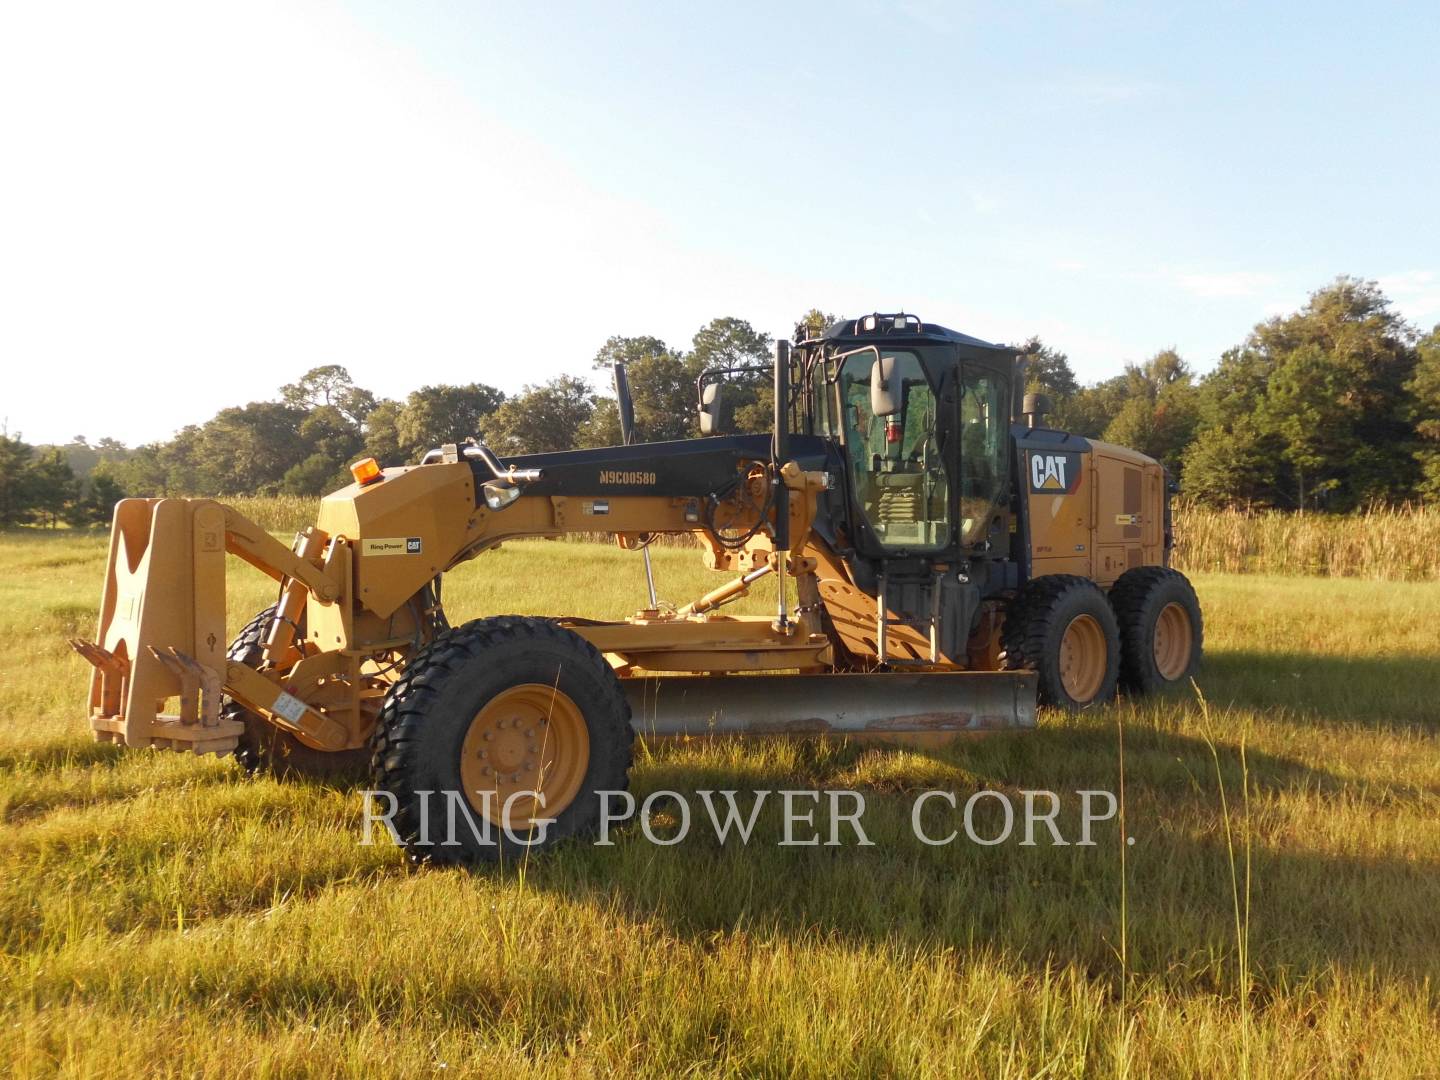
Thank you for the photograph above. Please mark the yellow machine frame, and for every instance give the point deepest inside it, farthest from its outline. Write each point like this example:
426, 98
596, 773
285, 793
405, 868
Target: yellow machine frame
355, 576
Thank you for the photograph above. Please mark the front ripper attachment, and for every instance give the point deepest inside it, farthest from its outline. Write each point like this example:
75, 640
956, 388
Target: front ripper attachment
165, 584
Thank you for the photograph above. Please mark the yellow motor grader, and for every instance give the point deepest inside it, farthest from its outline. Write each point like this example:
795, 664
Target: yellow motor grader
940, 561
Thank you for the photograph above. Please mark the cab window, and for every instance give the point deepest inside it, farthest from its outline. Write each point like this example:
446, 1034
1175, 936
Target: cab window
901, 482
984, 445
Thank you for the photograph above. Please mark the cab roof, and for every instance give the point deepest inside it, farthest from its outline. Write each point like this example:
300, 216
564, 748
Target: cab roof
869, 329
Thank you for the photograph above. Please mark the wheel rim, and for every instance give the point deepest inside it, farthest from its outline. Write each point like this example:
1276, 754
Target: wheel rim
1174, 639
531, 737
1083, 658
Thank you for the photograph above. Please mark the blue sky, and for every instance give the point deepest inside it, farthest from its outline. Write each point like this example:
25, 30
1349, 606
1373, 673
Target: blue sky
201, 202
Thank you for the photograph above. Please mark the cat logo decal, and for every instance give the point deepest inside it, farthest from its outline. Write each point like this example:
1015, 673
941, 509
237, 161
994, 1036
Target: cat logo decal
1054, 474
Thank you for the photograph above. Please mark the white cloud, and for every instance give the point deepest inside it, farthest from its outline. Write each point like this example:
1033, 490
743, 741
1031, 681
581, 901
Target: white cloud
1416, 293
1231, 283
985, 204
935, 16
1089, 90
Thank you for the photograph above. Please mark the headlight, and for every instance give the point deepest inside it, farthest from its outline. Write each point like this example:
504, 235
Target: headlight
500, 494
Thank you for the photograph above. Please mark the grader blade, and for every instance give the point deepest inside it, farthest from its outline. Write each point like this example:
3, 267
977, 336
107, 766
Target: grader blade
933, 705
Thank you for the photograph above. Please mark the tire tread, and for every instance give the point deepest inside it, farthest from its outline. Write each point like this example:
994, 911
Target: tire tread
1030, 622
1131, 597
401, 729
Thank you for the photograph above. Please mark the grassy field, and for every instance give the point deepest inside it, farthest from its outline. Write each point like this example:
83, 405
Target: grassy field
166, 915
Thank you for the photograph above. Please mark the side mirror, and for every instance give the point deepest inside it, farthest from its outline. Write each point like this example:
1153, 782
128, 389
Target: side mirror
714, 410
882, 394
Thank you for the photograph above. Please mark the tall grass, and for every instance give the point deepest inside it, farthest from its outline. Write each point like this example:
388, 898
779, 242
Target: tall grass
277, 513
1379, 545
1243, 983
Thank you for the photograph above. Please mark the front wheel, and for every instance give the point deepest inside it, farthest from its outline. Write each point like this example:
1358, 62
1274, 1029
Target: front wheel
499, 738
1061, 627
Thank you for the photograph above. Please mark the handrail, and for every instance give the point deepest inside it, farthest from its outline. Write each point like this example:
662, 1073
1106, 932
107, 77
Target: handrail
483, 453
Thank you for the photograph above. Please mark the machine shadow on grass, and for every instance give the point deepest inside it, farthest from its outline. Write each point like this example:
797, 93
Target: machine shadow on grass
1393, 692
1311, 913
1049, 906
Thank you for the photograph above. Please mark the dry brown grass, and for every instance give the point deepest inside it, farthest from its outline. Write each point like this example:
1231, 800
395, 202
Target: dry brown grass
1381, 545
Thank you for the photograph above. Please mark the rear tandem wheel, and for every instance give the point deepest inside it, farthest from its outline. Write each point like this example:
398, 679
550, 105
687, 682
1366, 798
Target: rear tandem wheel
1062, 628
1162, 633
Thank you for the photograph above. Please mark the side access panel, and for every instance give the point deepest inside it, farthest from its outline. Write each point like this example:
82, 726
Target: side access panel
1129, 493
1058, 484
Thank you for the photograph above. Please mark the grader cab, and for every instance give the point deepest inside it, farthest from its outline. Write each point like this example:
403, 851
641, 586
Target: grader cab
939, 561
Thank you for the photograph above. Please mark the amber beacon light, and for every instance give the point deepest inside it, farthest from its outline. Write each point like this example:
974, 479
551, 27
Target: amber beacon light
366, 471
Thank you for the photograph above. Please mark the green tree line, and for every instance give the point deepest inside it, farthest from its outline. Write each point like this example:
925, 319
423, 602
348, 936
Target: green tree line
1335, 406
